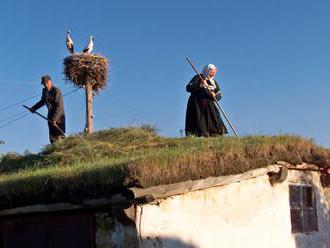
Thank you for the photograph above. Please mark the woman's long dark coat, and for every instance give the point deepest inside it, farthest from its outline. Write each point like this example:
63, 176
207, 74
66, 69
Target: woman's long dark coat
202, 116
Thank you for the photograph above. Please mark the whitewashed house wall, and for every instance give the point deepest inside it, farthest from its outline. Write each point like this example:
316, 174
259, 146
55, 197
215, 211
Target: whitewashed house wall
250, 213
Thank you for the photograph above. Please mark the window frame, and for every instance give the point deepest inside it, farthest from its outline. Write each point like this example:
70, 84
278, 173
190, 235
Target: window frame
303, 209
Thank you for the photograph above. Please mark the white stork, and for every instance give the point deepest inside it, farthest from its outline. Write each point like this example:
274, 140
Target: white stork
69, 42
89, 47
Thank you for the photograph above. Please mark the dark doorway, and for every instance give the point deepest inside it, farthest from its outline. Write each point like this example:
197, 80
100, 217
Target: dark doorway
74, 230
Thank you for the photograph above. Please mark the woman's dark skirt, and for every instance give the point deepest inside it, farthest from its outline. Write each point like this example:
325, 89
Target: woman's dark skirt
203, 118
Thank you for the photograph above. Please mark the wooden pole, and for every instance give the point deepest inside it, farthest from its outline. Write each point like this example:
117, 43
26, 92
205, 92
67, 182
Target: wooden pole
89, 108
215, 100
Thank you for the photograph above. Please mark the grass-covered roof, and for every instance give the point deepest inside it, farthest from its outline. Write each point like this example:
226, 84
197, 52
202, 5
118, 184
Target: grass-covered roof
100, 164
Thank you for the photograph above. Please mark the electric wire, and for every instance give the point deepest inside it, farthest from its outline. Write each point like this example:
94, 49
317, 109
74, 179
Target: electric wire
22, 101
19, 102
12, 116
24, 114
12, 121
16, 83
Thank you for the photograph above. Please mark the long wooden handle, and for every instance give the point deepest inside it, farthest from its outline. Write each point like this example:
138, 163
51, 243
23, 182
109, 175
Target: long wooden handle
45, 118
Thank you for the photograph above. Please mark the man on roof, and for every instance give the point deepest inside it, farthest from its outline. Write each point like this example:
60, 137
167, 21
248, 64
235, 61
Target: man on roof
52, 98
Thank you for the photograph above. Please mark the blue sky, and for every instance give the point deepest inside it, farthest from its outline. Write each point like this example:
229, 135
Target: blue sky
273, 58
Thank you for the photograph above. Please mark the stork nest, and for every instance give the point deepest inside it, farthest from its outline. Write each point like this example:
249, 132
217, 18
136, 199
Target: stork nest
82, 69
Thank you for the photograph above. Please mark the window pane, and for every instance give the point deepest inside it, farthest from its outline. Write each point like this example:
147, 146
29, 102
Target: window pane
295, 196
308, 197
310, 221
296, 221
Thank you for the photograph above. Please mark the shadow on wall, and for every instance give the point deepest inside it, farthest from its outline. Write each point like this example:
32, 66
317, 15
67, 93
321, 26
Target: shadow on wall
166, 242
318, 238
113, 229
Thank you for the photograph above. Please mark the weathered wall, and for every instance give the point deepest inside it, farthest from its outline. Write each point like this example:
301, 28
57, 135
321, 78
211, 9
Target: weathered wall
251, 213
109, 232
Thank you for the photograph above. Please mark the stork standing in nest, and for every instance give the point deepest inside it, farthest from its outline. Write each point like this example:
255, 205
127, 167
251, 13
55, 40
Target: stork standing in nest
89, 47
69, 42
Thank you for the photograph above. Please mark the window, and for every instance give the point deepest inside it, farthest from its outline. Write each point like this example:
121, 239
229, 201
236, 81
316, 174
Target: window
302, 209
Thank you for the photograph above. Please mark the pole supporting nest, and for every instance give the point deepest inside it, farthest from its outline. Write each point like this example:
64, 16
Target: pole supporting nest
89, 71
89, 109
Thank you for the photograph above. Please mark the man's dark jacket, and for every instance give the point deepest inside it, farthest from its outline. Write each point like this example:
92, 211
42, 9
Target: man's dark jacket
54, 101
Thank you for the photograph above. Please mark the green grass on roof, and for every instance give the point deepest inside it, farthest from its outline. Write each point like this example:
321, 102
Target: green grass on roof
105, 162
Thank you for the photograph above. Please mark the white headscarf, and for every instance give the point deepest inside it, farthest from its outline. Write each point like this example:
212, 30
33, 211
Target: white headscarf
206, 72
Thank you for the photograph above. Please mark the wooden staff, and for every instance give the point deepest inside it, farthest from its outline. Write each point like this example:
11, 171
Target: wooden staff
320, 169
215, 100
44, 117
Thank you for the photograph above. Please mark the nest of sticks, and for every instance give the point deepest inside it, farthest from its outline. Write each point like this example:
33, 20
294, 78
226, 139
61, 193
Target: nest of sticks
82, 69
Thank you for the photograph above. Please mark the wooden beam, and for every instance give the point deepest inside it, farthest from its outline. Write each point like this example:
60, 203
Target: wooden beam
163, 191
66, 206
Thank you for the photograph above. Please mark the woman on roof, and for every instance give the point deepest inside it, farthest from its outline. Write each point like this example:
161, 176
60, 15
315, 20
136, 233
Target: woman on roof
202, 116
